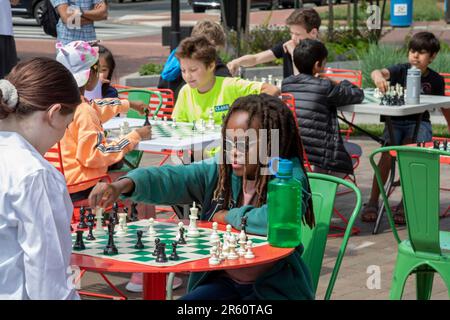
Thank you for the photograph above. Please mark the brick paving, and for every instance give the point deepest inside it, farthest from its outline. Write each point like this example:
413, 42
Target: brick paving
379, 252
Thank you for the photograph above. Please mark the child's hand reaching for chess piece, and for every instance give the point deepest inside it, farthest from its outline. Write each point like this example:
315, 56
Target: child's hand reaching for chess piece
105, 194
145, 132
379, 78
139, 106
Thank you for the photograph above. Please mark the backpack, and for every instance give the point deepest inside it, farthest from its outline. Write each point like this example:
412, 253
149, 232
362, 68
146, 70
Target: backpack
49, 18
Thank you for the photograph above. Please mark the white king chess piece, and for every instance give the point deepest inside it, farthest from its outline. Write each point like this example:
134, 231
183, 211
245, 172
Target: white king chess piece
192, 229
98, 216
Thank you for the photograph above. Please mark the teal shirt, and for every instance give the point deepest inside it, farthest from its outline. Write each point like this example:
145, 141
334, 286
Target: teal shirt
183, 184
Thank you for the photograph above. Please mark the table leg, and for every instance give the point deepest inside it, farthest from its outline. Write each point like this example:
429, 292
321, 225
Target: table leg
154, 286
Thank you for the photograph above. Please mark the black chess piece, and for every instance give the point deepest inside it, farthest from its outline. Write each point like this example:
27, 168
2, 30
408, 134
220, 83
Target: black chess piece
111, 248
436, 144
115, 209
194, 128
161, 253
181, 240
174, 255
79, 244
445, 143
419, 143
90, 235
146, 122
134, 212
139, 245
82, 224
157, 243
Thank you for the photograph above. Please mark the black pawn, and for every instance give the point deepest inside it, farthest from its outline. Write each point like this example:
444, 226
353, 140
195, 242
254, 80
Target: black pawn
157, 243
111, 248
445, 144
161, 253
174, 255
115, 213
134, 212
82, 224
194, 128
79, 244
181, 240
146, 122
139, 245
436, 144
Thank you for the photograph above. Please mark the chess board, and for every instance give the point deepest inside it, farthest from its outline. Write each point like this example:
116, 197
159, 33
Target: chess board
162, 129
369, 98
195, 249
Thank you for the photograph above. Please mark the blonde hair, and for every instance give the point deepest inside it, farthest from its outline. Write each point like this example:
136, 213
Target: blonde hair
211, 30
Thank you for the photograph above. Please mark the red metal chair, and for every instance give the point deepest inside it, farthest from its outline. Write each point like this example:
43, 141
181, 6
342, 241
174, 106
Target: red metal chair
289, 100
447, 82
53, 155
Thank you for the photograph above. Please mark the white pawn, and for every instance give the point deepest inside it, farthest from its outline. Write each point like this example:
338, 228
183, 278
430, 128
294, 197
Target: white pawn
98, 216
232, 255
229, 228
122, 223
214, 235
211, 119
249, 254
242, 242
174, 123
193, 230
165, 121
151, 229
214, 260
226, 247
180, 226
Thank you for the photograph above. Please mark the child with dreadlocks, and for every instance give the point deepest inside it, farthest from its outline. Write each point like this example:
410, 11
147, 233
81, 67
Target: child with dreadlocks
228, 191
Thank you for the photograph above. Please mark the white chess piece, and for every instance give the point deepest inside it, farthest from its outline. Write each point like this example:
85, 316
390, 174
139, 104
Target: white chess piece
232, 255
193, 230
122, 223
165, 121
180, 225
211, 119
228, 228
151, 232
214, 235
174, 123
201, 127
214, 260
242, 242
249, 254
98, 216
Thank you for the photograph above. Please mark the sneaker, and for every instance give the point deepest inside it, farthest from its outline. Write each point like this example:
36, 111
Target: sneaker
133, 286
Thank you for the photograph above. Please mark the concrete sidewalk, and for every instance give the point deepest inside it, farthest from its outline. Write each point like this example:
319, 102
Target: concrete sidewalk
366, 253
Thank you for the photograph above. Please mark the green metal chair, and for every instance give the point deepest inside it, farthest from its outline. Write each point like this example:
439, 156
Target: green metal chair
422, 253
323, 189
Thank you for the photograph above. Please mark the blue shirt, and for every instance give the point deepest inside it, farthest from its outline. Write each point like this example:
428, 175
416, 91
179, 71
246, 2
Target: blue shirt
68, 34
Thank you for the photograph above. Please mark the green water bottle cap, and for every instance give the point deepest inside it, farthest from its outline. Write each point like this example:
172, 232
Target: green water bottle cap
285, 168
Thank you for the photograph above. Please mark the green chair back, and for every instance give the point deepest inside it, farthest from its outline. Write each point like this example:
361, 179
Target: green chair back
323, 189
420, 179
143, 95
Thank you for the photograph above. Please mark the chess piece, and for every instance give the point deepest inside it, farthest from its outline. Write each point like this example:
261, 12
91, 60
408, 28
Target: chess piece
165, 121
139, 245
146, 122
115, 217
111, 248
194, 128
157, 243
161, 253
436, 144
181, 239
122, 223
151, 228
174, 123
98, 216
242, 242
79, 244
174, 256
214, 260
214, 235
228, 228
232, 255
249, 254
445, 143
90, 236
192, 229
134, 212
82, 224
211, 119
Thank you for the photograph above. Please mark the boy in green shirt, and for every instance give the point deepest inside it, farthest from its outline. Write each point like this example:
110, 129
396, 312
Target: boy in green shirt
204, 92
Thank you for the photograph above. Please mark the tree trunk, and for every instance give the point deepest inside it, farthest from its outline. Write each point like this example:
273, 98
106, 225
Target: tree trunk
330, 20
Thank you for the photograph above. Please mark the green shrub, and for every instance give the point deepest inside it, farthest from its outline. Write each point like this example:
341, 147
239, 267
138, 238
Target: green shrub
150, 69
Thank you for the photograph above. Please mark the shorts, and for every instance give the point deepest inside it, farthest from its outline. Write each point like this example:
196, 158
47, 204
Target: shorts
405, 130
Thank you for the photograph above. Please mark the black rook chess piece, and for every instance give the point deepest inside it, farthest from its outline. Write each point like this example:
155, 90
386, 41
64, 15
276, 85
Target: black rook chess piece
79, 244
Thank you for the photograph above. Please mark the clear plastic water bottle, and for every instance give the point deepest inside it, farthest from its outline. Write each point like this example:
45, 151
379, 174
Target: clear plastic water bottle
284, 204
413, 85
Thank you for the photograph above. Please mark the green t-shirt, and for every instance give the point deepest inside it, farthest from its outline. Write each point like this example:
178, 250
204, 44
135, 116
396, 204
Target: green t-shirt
192, 105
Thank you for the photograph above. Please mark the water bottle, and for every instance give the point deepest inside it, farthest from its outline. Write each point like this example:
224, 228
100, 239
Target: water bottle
284, 204
413, 85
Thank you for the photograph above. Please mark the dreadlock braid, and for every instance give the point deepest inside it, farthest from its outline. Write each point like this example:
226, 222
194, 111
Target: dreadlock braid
272, 114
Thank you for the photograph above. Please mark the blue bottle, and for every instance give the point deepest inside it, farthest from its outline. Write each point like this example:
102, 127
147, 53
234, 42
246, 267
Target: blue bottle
284, 202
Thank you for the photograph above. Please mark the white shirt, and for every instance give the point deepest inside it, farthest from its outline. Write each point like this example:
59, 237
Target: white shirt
6, 25
35, 214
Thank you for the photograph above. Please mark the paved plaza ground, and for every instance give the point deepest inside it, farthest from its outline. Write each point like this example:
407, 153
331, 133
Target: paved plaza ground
366, 253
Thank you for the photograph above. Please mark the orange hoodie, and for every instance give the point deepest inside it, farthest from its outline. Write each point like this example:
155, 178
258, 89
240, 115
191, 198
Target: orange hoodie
85, 152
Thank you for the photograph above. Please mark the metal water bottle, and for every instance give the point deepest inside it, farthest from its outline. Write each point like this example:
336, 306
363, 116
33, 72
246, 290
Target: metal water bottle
413, 85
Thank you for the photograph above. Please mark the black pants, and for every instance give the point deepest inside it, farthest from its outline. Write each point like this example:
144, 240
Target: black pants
8, 55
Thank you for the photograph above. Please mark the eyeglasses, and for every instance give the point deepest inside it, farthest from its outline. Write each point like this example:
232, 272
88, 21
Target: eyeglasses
240, 146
